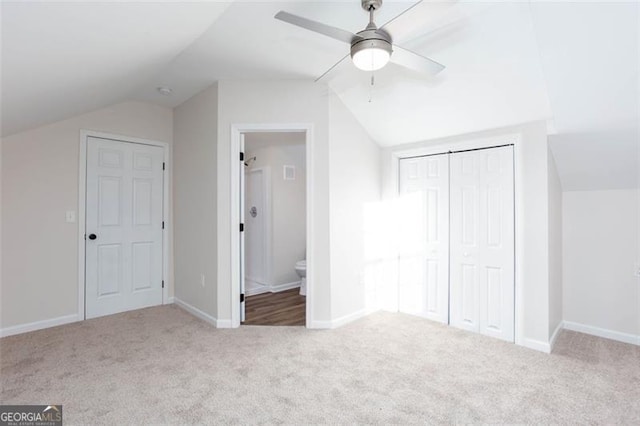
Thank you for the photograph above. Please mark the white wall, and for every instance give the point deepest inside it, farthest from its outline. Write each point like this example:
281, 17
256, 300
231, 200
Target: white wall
555, 248
275, 102
532, 219
39, 184
354, 167
288, 199
532, 257
195, 214
600, 231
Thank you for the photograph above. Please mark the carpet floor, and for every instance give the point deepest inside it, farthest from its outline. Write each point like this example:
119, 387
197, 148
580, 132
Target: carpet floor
163, 366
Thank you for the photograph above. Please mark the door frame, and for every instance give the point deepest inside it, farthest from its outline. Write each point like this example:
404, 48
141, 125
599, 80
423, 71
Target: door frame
236, 131
514, 139
82, 210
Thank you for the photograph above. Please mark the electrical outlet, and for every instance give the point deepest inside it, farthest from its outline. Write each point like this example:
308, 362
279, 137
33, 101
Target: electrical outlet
202, 279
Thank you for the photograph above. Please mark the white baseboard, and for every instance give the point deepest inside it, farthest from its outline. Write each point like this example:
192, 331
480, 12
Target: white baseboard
220, 323
346, 319
272, 288
536, 345
198, 313
38, 325
339, 322
169, 300
283, 287
554, 336
634, 339
320, 325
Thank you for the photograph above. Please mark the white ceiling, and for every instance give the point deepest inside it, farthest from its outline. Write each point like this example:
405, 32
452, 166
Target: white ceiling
574, 64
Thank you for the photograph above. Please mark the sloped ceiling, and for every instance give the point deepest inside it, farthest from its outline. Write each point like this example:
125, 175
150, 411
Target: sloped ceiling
572, 64
590, 55
60, 59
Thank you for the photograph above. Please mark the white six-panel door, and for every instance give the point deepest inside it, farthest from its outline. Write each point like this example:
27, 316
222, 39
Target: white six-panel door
424, 246
482, 242
124, 214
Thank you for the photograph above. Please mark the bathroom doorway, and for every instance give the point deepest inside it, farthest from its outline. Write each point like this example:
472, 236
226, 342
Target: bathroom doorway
273, 199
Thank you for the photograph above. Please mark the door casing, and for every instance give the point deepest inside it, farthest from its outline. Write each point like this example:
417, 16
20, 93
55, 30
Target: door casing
82, 204
236, 131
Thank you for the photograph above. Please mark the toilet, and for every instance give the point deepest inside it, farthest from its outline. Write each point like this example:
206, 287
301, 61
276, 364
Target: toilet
301, 270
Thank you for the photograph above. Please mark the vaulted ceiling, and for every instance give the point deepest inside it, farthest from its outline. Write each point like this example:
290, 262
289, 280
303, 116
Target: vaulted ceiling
572, 64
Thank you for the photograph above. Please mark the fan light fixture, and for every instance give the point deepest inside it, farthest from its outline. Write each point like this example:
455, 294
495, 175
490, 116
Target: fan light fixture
371, 48
371, 55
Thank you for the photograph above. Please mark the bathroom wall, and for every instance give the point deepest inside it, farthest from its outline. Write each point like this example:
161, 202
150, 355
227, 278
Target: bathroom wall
288, 199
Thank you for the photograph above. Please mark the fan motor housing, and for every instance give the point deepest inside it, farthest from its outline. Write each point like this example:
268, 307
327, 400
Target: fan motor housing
371, 42
372, 35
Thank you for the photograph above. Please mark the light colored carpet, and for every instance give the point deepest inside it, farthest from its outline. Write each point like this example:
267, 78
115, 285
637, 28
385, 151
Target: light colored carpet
161, 365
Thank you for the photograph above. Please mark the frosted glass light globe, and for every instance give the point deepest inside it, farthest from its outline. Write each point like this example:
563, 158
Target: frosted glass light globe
371, 55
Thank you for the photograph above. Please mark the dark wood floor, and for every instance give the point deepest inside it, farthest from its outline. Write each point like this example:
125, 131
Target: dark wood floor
283, 308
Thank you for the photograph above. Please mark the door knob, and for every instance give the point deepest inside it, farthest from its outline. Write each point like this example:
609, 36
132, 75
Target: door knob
93, 236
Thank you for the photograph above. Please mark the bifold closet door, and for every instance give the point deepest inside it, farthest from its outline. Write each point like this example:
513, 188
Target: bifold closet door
424, 237
482, 242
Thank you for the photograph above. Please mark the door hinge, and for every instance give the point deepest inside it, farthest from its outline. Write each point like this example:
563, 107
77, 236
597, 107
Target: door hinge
162, 283
163, 224
163, 166
242, 156
242, 227
241, 297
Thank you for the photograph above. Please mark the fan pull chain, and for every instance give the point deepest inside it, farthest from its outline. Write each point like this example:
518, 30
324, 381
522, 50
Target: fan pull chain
371, 87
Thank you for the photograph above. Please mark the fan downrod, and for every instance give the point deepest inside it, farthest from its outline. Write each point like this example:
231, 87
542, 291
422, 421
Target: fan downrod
371, 4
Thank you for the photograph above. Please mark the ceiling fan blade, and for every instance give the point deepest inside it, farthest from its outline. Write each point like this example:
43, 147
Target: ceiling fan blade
413, 61
317, 27
422, 16
394, 22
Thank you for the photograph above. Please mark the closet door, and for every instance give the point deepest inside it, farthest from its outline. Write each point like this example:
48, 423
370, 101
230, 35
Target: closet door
424, 237
482, 242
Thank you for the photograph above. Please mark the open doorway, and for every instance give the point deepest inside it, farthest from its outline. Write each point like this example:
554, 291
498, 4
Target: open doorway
273, 205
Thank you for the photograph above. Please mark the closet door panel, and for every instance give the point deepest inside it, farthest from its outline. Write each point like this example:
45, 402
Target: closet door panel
465, 249
497, 280
482, 242
424, 237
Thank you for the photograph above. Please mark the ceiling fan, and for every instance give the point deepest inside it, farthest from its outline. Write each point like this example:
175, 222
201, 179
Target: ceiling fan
371, 48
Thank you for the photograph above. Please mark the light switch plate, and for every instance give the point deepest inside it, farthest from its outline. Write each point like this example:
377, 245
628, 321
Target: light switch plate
70, 216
